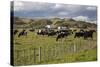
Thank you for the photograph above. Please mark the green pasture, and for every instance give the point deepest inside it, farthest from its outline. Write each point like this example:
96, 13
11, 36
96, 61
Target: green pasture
87, 49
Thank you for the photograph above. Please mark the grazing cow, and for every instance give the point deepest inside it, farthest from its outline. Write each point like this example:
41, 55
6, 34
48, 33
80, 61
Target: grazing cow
32, 30
75, 30
42, 32
62, 35
22, 33
81, 30
70, 31
60, 31
85, 34
88, 34
15, 32
93, 30
51, 33
79, 34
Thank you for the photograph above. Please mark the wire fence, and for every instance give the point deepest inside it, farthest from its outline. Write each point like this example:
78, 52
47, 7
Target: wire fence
46, 54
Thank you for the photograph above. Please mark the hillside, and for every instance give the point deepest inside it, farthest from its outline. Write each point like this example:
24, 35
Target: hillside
55, 22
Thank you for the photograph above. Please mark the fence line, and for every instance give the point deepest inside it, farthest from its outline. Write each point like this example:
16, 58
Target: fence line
45, 54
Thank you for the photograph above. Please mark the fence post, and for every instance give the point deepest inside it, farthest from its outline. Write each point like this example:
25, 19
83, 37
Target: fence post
29, 55
34, 55
17, 56
74, 47
44, 55
49, 53
54, 52
24, 56
40, 54
79, 45
60, 51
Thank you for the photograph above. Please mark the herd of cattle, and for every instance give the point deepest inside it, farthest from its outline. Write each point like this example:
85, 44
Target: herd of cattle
59, 33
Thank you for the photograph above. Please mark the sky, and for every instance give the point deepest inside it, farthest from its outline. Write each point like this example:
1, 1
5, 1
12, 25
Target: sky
49, 10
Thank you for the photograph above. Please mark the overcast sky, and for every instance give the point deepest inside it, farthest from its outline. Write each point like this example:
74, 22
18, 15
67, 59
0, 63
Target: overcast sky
48, 10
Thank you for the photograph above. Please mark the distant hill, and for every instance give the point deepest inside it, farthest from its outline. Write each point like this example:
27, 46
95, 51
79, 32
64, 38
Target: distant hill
40, 23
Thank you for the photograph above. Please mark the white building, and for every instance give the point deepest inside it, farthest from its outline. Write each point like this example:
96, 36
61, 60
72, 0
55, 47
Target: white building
62, 28
48, 26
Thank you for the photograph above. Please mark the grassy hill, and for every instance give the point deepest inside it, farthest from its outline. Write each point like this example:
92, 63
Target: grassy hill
40, 23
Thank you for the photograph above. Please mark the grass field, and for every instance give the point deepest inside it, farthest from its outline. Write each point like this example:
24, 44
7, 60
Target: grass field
53, 51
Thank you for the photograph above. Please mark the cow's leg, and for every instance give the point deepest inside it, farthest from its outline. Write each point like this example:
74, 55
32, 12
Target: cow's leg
91, 37
26, 34
85, 37
48, 35
56, 39
19, 35
75, 36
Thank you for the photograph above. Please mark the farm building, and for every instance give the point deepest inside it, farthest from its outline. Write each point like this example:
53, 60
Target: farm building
62, 28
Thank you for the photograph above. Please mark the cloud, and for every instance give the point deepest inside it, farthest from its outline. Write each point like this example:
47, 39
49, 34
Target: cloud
40, 9
74, 8
18, 5
91, 8
62, 13
68, 8
94, 22
57, 6
27, 6
85, 18
36, 6
81, 18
